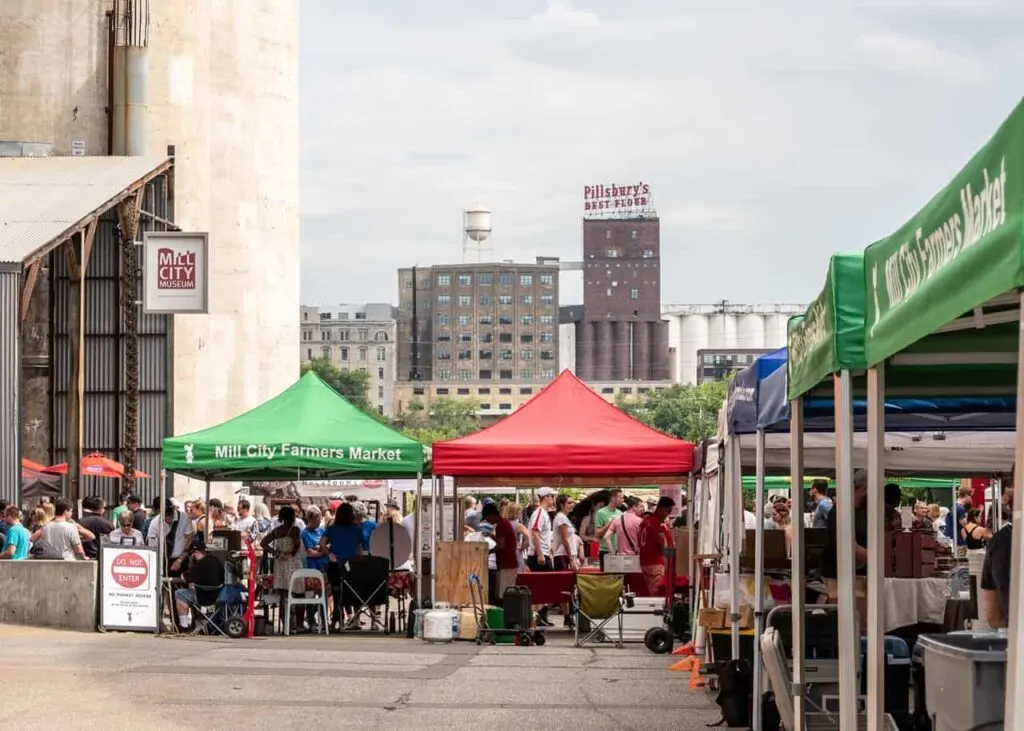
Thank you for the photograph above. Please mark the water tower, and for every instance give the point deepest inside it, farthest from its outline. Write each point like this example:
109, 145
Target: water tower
476, 232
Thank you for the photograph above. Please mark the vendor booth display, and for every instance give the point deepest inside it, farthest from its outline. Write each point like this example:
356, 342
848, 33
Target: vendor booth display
308, 431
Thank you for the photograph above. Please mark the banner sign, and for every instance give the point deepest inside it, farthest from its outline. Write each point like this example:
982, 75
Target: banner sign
175, 273
129, 588
611, 198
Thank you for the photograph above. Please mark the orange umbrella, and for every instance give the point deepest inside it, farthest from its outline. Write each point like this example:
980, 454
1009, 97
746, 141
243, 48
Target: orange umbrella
95, 465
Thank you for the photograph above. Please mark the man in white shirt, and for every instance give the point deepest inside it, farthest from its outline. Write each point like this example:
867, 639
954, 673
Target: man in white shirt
538, 555
177, 530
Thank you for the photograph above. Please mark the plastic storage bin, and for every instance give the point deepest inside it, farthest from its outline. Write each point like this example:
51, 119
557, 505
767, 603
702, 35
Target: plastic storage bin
965, 680
895, 678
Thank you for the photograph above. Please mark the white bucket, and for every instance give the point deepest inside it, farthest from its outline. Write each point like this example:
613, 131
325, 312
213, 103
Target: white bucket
437, 626
417, 627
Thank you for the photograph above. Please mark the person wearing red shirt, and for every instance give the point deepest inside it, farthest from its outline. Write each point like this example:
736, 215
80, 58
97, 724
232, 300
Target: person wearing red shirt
654, 537
506, 550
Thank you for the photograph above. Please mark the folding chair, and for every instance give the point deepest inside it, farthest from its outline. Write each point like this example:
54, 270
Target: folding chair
205, 609
597, 600
364, 588
297, 586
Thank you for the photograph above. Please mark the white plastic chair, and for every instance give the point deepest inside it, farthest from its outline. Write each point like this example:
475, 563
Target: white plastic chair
299, 577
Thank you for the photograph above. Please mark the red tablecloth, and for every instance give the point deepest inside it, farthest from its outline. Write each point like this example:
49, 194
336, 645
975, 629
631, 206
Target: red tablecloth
553, 587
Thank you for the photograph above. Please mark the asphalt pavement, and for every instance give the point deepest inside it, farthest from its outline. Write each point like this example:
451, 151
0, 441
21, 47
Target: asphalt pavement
54, 679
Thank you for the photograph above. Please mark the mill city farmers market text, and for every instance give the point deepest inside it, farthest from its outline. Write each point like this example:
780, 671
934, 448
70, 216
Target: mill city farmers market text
271, 452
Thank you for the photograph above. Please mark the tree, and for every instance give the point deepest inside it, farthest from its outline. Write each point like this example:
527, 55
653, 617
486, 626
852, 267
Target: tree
686, 411
447, 418
353, 385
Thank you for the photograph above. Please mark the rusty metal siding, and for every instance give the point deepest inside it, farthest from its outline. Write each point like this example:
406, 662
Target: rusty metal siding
105, 402
10, 382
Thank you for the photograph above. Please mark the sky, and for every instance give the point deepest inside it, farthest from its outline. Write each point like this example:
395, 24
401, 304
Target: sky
772, 134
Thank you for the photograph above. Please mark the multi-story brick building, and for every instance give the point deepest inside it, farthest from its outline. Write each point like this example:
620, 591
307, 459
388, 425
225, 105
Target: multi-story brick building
355, 337
481, 323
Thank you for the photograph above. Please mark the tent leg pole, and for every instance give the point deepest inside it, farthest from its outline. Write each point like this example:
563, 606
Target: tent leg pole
758, 577
797, 576
209, 530
736, 535
418, 545
1014, 712
438, 487
846, 575
161, 549
876, 536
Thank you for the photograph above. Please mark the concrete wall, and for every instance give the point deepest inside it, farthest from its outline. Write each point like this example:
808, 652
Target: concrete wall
59, 594
222, 88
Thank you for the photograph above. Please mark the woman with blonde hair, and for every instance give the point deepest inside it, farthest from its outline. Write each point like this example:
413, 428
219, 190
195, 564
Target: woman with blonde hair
513, 513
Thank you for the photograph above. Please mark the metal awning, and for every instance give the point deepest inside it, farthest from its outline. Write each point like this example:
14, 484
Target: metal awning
46, 200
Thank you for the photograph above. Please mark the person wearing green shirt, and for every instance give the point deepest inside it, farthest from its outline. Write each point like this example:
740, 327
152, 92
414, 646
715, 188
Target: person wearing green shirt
603, 521
122, 506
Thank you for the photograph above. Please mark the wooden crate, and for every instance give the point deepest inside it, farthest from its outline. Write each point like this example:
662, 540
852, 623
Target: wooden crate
454, 563
712, 618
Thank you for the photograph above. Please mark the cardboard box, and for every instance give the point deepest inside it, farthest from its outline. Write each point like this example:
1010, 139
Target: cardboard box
681, 537
618, 563
712, 618
776, 556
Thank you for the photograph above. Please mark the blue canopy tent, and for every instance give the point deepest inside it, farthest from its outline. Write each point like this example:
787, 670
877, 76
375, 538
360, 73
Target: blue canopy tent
743, 391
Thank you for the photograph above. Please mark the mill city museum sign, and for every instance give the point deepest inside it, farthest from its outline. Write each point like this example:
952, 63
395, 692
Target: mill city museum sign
613, 198
175, 275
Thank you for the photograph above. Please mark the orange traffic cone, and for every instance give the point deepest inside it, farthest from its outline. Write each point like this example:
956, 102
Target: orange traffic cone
687, 649
684, 665
696, 679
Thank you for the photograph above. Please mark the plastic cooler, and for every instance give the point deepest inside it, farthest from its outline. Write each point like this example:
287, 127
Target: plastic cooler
895, 677
965, 680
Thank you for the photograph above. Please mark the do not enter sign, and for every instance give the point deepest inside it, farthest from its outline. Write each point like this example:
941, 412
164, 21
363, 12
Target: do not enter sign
129, 570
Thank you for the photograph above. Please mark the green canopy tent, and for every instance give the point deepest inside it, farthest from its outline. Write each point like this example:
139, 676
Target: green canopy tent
307, 431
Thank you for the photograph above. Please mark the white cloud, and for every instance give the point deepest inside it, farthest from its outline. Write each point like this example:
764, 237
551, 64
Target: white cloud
769, 135
920, 56
561, 17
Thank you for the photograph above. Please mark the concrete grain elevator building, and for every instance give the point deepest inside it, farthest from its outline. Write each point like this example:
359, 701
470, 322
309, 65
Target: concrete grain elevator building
214, 83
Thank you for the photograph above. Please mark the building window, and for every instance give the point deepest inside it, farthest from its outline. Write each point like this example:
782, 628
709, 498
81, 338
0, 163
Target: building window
486, 337
444, 299
444, 337
547, 279
505, 376
526, 391
465, 280
547, 355
325, 334
380, 392
547, 337
444, 391
343, 354
444, 354
305, 315
506, 391
382, 353
607, 390
444, 280
307, 335
485, 375
484, 391
632, 234
343, 335
486, 320
462, 391
444, 320
526, 354
626, 389
526, 338
380, 336
504, 319
634, 294
486, 278
526, 319
465, 337
527, 299
380, 374
362, 355
612, 253
465, 354
486, 300
360, 315
547, 319
505, 280
443, 374
505, 407
465, 320
380, 409
309, 354
325, 352
417, 390
485, 407
486, 354
465, 300
525, 280
504, 299
465, 375
547, 299
547, 373
648, 253
504, 337
505, 354
608, 233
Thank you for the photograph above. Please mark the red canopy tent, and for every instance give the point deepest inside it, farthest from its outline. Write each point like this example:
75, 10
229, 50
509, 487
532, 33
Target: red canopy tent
565, 435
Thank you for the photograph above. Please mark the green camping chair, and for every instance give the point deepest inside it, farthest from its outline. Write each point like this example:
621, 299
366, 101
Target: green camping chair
598, 600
